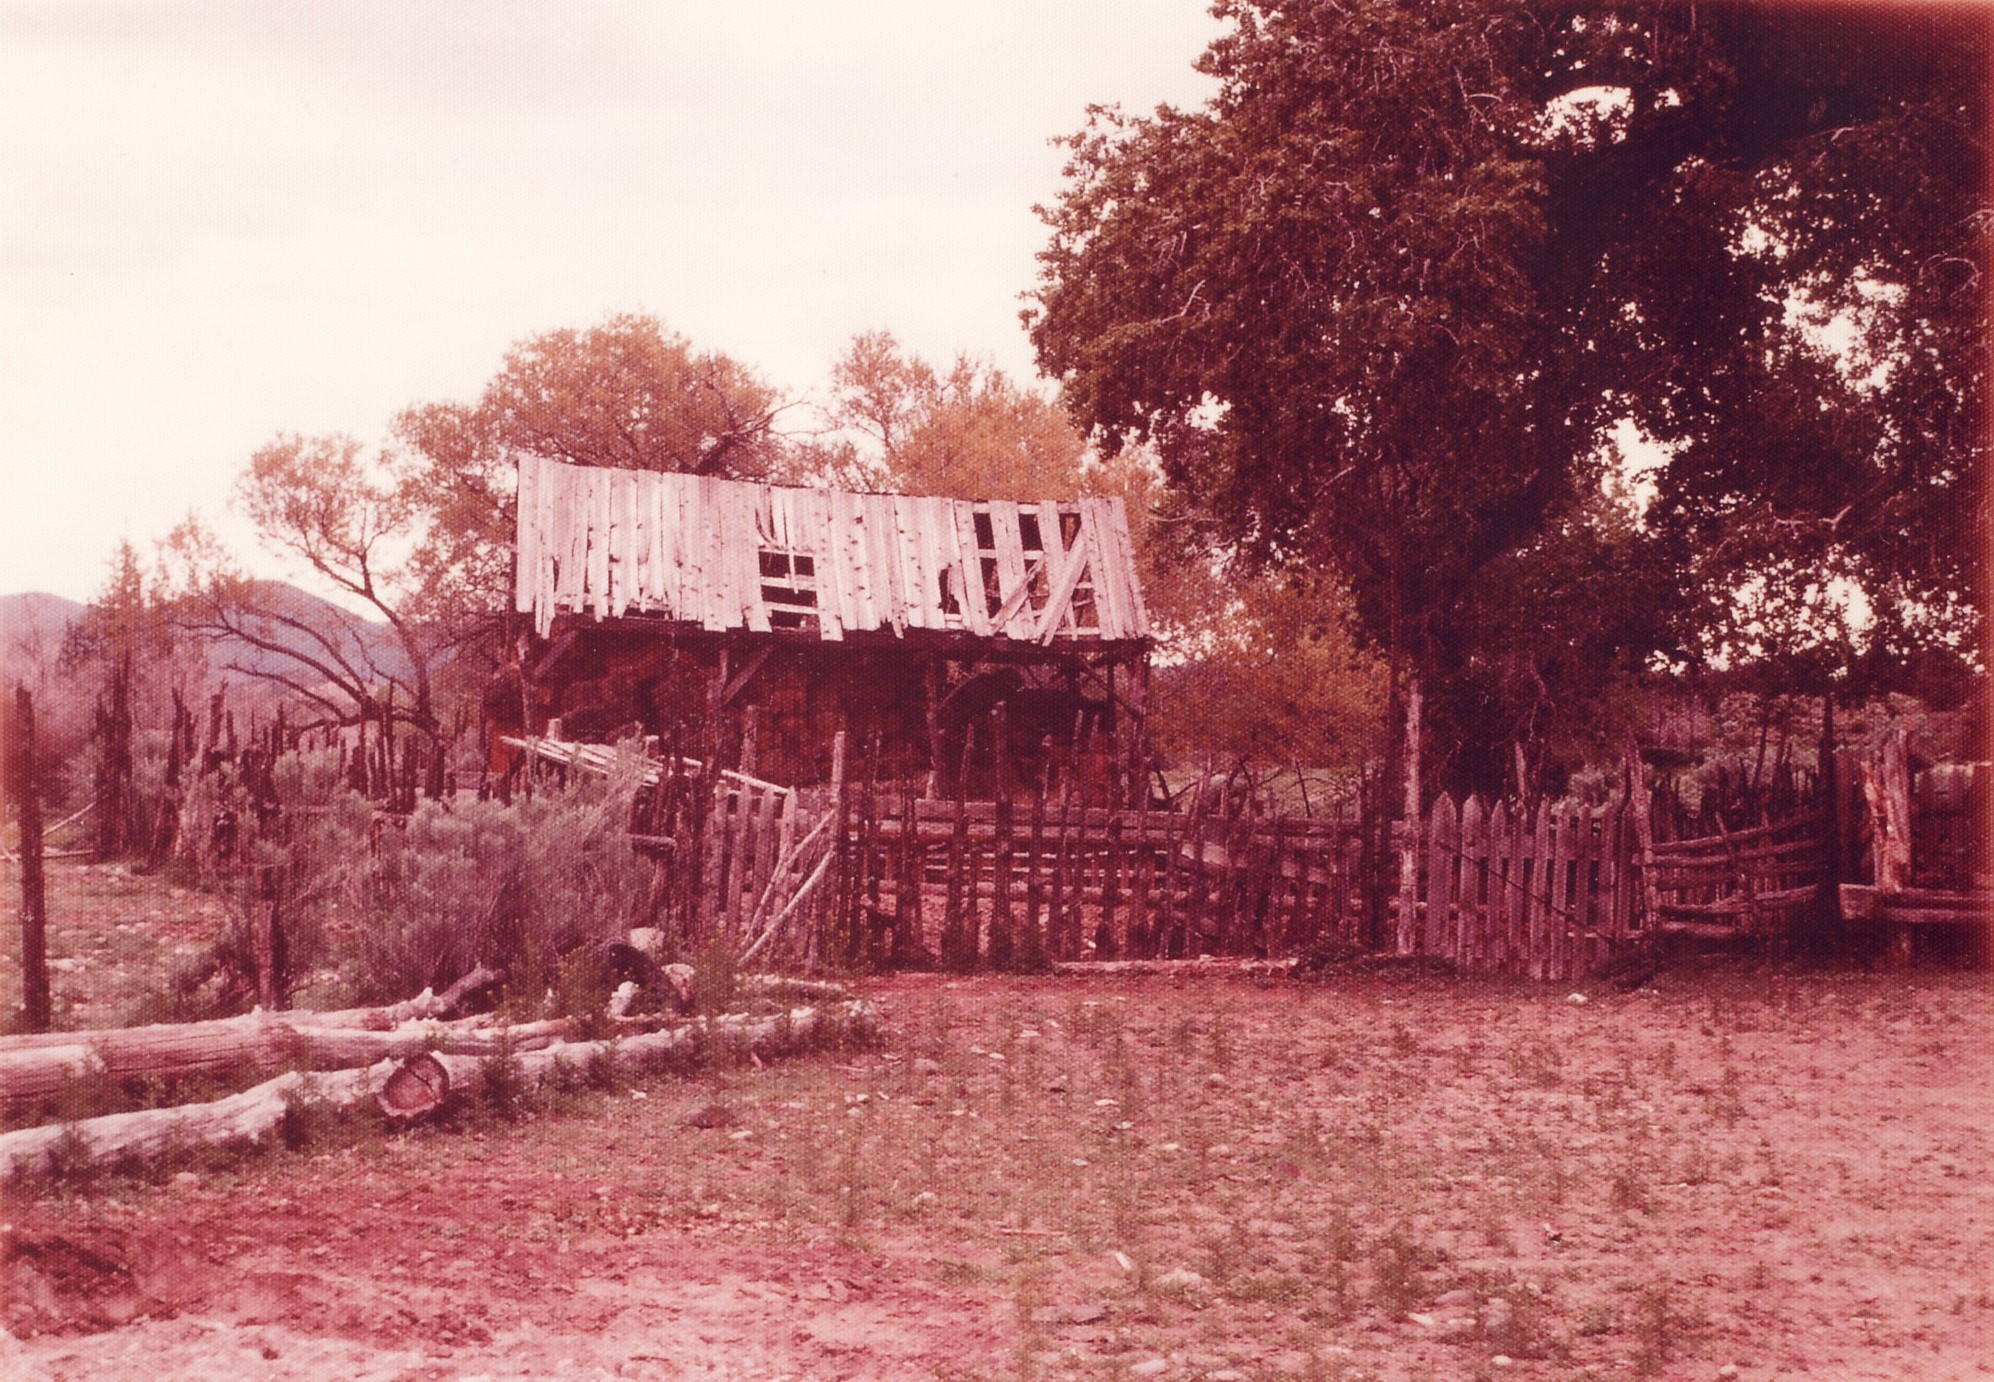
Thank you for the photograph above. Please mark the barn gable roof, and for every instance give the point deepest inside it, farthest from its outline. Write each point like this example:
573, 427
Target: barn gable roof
732, 554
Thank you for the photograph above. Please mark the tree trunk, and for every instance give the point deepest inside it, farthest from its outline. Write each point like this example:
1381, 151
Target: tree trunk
114, 791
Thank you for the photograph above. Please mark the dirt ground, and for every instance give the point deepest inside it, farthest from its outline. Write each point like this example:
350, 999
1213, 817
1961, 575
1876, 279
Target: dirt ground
1372, 1175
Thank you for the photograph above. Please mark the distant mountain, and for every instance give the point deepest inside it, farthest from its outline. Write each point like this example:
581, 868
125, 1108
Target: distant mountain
32, 629
34, 625
34, 612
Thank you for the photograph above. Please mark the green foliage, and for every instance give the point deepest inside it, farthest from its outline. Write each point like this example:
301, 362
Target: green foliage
515, 885
1314, 296
503, 1089
71, 1165
1266, 672
402, 905
966, 432
627, 393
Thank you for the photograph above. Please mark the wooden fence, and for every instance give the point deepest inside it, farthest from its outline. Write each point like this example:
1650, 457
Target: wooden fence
1751, 881
867, 871
1018, 883
1550, 893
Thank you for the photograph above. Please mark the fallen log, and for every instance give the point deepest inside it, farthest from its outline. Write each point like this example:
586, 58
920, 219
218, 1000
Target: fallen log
255, 1113
44, 1065
431, 1079
265, 1044
452, 1003
169, 1050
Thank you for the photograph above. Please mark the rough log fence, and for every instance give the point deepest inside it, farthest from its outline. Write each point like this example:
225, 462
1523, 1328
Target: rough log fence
868, 872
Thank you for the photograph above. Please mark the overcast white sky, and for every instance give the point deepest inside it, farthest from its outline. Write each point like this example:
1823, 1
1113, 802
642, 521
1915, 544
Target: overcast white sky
223, 219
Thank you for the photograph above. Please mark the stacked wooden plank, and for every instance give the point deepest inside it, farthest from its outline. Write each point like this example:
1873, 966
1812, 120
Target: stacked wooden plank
729, 554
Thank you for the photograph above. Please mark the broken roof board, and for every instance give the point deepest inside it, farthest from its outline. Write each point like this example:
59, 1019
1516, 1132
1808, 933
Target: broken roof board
700, 549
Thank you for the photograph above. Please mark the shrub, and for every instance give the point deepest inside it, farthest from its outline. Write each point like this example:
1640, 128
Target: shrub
463, 881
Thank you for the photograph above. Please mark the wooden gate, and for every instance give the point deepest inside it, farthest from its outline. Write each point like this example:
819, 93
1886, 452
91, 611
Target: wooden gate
1549, 893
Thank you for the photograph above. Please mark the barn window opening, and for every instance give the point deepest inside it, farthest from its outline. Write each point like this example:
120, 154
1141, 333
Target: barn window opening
789, 588
986, 561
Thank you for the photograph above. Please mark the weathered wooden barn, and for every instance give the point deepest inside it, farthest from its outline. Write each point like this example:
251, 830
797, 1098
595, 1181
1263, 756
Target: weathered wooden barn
762, 619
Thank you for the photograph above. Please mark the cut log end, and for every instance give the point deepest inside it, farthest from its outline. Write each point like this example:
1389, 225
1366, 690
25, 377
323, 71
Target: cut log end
414, 1089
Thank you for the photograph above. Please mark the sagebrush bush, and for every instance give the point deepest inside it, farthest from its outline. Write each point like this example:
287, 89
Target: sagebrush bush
465, 881
400, 905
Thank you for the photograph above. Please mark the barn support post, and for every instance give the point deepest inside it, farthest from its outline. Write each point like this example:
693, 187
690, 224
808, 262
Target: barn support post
36, 1009
1031, 935
909, 946
1062, 938
937, 749
866, 908
959, 926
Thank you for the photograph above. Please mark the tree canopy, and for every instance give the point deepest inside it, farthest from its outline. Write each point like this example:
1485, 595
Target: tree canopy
1258, 665
1382, 305
626, 393
418, 533
966, 431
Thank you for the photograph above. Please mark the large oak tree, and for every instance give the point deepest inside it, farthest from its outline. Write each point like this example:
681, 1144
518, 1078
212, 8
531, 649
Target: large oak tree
1382, 303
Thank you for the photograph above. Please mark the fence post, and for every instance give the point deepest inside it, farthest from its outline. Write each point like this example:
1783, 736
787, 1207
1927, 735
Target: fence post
35, 1004
1408, 937
1640, 805
831, 910
1887, 783
268, 942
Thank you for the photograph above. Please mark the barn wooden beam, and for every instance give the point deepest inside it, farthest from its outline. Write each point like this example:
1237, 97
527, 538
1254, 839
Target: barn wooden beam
740, 680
